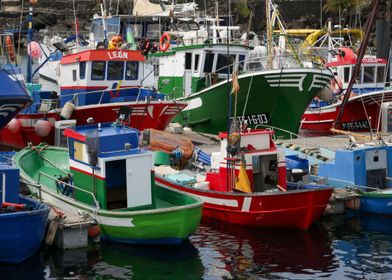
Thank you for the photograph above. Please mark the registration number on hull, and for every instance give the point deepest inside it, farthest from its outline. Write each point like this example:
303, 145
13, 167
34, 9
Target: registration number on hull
357, 125
254, 119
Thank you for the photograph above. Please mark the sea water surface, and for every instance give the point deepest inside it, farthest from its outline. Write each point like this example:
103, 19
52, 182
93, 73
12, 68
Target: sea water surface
352, 247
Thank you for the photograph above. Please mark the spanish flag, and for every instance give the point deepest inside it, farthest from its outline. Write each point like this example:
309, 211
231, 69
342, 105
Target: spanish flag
242, 182
235, 85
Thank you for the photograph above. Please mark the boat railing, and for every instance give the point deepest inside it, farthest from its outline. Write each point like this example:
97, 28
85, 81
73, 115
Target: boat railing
302, 140
75, 96
291, 134
70, 186
258, 63
349, 185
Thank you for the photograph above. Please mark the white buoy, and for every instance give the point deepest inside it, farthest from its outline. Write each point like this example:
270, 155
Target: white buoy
43, 127
67, 110
14, 125
325, 93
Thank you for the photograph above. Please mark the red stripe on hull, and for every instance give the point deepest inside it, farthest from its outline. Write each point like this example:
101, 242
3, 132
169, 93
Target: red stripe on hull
293, 209
86, 173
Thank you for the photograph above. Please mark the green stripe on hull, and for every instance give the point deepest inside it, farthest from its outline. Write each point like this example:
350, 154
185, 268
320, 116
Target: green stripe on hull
270, 97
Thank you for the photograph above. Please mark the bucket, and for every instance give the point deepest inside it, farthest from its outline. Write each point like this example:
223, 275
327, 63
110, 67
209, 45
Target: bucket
294, 162
297, 174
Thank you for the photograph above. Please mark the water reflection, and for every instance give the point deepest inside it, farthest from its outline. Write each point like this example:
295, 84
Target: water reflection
117, 261
234, 252
358, 246
29, 269
363, 245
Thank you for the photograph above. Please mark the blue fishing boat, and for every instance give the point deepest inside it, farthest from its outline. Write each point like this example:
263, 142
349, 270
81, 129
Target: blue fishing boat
22, 219
13, 93
363, 168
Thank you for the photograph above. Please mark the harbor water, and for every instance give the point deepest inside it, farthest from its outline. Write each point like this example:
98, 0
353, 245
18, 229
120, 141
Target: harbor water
351, 247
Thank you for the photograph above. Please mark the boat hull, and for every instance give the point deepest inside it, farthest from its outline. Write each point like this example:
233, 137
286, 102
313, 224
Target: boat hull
276, 98
376, 202
13, 94
169, 224
293, 209
154, 114
355, 118
22, 233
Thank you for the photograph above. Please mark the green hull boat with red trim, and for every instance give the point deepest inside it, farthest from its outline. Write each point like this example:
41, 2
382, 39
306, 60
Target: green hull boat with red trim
104, 174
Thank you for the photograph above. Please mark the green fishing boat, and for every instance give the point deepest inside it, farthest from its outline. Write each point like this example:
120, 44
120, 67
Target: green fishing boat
273, 88
106, 175
267, 97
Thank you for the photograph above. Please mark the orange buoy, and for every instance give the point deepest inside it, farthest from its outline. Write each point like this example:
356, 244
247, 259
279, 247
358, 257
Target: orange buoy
93, 231
164, 42
10, 48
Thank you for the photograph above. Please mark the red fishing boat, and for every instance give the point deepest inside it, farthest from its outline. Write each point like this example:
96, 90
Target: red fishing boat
248, 188
94, 85
362, 110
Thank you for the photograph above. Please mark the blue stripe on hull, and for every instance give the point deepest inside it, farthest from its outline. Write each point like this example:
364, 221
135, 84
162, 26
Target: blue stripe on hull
107, 96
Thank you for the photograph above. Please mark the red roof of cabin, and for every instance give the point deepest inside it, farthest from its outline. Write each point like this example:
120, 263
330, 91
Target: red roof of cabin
103, 55
70, 133
223, 135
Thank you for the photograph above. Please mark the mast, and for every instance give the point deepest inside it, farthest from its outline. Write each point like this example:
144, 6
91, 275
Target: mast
76, 26
269, 32
103, 12
29, 39
362, 50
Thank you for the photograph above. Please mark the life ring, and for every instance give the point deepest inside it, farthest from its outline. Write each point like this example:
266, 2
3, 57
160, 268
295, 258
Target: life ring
336, 84
164, 42
10, 48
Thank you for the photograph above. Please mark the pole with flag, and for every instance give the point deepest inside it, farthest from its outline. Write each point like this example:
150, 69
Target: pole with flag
76, 26
29, 39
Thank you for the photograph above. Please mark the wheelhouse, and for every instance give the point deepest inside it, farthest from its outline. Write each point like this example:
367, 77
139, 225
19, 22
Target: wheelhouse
188, 69
100, 76
372, 75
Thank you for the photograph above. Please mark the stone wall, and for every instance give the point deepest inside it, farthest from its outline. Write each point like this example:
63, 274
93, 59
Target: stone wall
59, 13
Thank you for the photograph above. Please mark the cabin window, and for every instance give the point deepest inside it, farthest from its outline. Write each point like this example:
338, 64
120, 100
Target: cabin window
196, 67
346, 74
208, 63
380, 74
241, 62
221, 65
78, 151
82, 70
115, 70
153, 30
131, 72
188, 61
368, 74
98, 70
74, 74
